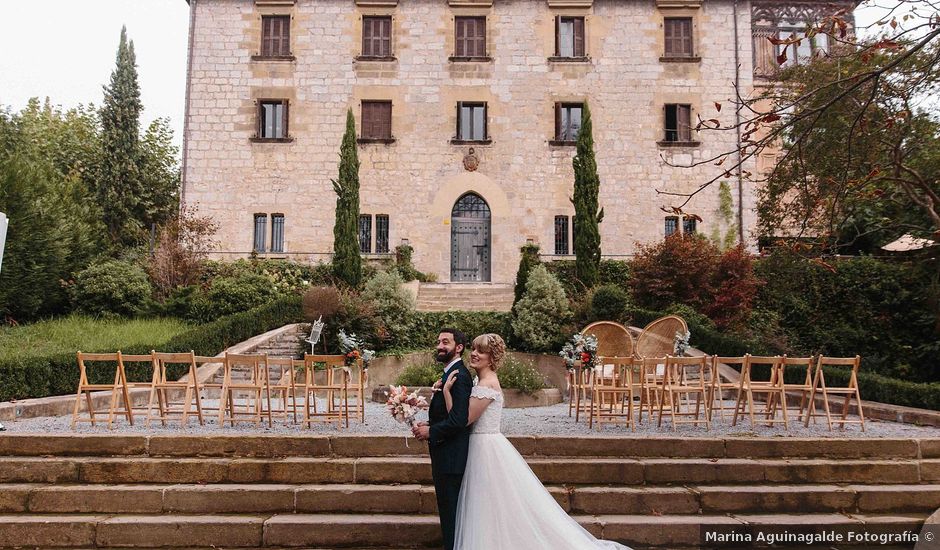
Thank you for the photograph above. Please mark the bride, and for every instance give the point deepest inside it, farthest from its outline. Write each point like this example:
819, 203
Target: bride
502, 504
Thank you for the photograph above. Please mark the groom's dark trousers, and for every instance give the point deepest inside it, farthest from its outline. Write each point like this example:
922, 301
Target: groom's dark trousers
448, 443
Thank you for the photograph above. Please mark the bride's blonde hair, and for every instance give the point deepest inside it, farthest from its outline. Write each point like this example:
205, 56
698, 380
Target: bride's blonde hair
493, 345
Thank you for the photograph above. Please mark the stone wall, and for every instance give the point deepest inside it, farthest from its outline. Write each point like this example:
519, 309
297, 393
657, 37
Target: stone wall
416, 180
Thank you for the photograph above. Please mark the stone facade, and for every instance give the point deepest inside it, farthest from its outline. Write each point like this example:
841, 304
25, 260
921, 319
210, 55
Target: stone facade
525, 179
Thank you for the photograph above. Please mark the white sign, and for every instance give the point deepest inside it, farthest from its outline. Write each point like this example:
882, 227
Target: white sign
3, 235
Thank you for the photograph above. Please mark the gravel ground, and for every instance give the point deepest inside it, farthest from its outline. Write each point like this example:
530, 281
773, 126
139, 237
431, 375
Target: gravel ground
552, 420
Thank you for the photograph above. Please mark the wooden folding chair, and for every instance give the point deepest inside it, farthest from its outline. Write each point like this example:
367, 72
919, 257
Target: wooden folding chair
685, 378
118, 388
165, 390
800, 370
282, 386
719, 387
149, 365
652, 377
358, 377
243, 376
770, 386
613, 395
335, 390
849, 391
581, 387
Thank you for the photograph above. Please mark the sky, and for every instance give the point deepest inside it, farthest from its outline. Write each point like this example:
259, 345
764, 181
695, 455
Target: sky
72, 57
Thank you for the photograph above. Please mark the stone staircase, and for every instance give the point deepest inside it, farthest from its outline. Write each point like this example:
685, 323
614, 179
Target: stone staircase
465, 297
196, 491
289, 344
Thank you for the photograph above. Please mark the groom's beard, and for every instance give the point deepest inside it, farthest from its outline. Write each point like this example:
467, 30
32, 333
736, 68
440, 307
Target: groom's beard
444, 357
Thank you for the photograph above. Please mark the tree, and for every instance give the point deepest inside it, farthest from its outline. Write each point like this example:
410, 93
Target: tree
159, 175
852, 131
347, 263
587, 217
528, 260
183, 245
542, 312
120, 187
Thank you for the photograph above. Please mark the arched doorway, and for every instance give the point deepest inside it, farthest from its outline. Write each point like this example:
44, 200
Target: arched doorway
470, 239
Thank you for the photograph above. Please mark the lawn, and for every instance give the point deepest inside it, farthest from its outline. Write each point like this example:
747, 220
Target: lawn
80, 333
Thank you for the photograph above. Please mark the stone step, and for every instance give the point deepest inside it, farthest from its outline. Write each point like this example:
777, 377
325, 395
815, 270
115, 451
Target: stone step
302, 445
413, 469
419, 499
382, 531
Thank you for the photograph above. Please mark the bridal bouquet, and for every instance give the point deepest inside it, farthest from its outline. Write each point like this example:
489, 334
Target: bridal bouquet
580, 348
354, 349
403, 406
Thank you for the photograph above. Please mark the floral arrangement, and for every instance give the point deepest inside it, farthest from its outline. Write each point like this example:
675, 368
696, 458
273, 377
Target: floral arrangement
354, 349
403, 406
580, 348
681, 343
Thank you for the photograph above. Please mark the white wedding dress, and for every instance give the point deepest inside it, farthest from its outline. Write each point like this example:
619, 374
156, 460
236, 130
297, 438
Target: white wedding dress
502, 504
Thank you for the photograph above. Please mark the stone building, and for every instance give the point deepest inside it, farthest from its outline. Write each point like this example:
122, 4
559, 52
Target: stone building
466, 115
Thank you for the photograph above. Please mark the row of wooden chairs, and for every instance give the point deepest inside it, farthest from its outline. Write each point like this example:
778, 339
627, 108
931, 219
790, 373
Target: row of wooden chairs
252, 388
769, 391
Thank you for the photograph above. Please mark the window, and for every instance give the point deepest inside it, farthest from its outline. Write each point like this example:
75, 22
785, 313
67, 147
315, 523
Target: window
381, 233
272, 119
569, 36
672, 225
261, 230
365, 233
688, 225
561, 235
802, 52
377, 36
277, 233
470, 35
471, 121
377, 120
678, 123
678, 36
567, 121
275, 36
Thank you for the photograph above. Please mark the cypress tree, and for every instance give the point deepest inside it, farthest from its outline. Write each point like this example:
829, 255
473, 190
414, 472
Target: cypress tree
529, 259
119, 184
587, 217
347, 263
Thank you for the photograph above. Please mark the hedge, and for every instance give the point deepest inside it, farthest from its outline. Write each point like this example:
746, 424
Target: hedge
57, 374
427, 325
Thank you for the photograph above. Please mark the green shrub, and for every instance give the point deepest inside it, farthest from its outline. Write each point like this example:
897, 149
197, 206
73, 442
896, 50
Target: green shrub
393, 304
229, 295
520, 375
54, 371
609, 302
612, 272
285, 276
541, 313
322, 301
111, 288
879, 310
420, 374
405, 268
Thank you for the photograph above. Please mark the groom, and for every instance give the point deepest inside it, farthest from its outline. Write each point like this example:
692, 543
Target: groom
448, 435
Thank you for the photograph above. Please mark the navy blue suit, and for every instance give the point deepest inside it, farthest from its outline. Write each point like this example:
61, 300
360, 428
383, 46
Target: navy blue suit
448, 443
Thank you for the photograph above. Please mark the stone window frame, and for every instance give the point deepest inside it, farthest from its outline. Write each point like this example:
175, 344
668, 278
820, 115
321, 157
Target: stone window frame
258, 137
374, 237
368, 136
562, 235
382, 56
268, 13
669, 11
672, 225
458, 140
582, 19
690, 140
557, 138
